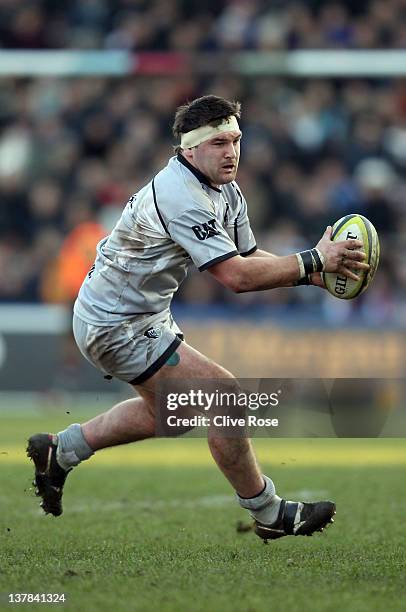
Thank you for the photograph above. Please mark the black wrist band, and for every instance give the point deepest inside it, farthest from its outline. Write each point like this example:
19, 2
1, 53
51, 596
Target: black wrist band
317, 260
308, 261
312, 261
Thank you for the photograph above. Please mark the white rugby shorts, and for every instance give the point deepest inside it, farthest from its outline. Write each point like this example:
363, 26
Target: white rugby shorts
132, 350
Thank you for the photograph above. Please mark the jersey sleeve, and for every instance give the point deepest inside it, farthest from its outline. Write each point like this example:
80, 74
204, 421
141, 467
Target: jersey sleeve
202, 237
244, 238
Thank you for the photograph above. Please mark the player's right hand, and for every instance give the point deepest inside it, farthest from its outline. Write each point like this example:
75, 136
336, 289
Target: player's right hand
342, 257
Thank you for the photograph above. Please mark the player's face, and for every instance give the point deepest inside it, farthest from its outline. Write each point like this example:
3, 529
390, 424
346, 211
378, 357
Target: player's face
218, 157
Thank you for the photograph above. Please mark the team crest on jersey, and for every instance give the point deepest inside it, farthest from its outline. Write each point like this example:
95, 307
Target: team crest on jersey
206, 230
153, 332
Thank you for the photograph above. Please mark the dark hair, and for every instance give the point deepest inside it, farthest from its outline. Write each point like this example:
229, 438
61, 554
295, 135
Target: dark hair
208, 110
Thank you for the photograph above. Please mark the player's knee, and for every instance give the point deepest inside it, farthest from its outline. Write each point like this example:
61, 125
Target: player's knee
224, 374
148, 405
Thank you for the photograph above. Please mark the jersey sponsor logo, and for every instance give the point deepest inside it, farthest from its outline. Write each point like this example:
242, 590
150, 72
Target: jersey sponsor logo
206, 230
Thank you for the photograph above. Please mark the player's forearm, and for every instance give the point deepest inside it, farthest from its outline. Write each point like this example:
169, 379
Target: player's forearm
266, 254
264, 272
260, 253
268, 272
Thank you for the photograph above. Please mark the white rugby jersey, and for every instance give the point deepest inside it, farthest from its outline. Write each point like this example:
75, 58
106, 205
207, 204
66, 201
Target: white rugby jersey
175, 219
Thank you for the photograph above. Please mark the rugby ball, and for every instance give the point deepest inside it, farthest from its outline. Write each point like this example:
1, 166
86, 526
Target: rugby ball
359, 228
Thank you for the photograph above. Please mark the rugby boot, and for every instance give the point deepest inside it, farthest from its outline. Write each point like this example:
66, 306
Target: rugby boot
297, 518
49, 477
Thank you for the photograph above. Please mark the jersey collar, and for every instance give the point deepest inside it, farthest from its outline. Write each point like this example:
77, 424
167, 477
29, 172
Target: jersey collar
199, 175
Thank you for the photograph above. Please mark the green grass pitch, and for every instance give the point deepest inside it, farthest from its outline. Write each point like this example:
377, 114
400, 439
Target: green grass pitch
152, 526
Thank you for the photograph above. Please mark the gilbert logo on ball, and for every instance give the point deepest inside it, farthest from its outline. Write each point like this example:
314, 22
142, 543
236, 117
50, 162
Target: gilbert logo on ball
354, 227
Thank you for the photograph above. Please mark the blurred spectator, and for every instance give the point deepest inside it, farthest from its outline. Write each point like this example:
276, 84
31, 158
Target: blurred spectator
63, 277
375, 179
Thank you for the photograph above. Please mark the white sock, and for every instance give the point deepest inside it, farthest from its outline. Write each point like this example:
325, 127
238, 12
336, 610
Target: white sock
72, 447
264, 507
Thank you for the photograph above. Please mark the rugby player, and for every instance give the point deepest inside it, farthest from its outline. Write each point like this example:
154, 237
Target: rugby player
191, 211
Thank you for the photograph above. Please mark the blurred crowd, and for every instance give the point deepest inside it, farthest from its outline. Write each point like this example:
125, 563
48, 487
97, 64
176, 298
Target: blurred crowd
202, 25
72, 151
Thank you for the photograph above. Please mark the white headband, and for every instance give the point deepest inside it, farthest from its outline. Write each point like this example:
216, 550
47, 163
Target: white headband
201, 134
